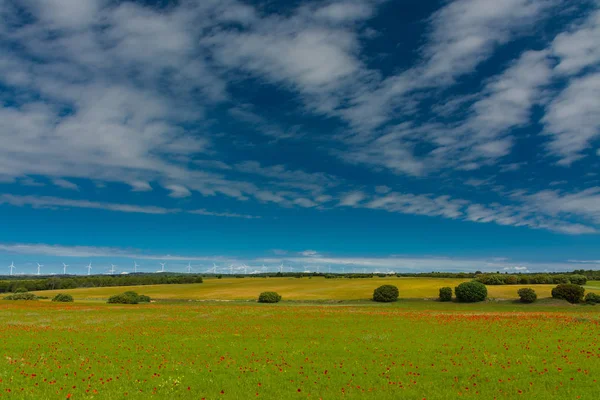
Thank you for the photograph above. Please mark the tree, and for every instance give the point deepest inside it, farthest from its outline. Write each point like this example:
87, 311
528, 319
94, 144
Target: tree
386, 294
569, 292
446, 294
527, 295
470, 292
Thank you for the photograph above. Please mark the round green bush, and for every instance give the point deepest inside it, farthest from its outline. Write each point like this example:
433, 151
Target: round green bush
569, 291
470, 292
63, 298
269, 297
386, 294
592, 298
578, 279
142, 298
21, 289
527, 295
446, 294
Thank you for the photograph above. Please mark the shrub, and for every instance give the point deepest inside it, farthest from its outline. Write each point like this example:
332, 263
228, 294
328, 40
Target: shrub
511, 280
592, 298
386, 294
21, 296
578, 279
142, 298
128, 298
63, 298
470, 292
133, 296
120, 299
527, 295
269, 297
569, 292
20, 289
446, 294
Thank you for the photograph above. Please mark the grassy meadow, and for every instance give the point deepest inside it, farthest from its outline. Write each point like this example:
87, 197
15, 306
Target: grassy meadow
411, 349
300, 289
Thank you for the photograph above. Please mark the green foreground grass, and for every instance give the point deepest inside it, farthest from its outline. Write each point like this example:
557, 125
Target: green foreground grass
300, 289
409, 350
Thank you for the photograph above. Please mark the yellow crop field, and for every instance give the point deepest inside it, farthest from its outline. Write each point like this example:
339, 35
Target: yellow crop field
316, 288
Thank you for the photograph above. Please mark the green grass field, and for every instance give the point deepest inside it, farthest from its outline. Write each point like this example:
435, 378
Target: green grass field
409, 350
302, 289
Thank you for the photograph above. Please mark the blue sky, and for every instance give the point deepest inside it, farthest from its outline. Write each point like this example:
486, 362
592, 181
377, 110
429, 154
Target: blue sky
356, 134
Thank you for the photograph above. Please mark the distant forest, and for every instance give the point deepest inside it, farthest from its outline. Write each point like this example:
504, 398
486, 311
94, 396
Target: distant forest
51, 282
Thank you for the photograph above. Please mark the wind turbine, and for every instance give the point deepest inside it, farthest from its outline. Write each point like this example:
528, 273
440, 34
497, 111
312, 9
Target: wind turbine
189, 268
112, 269
89, 268
11, 266
162, 267
64, 268
39, 268
135, 265
231, 269
281, 268
245, 269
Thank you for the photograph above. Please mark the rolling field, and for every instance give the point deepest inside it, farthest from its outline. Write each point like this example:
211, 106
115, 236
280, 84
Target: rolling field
301, 289
408, 350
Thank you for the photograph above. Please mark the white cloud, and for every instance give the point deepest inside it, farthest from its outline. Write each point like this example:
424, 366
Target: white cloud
309, 253
140, 186
463, 34
537, 211
572, 119
262, 125
482, 137
41, 249
352, 198
424, 264
382, 189
311, 258
313, 50
223, 214
584, 204
344, 11
293, 178
578, 48
55, 202
178, 191
69, 14
418, 204
65, 184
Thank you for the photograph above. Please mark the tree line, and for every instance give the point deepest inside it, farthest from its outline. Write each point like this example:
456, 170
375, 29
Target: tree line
72, 282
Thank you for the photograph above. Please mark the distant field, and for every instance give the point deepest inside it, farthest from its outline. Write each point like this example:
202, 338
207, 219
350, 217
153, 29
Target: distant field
298, 351
301, 289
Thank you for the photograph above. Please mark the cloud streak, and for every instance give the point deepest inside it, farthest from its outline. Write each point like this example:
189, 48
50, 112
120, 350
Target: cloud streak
310, 261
